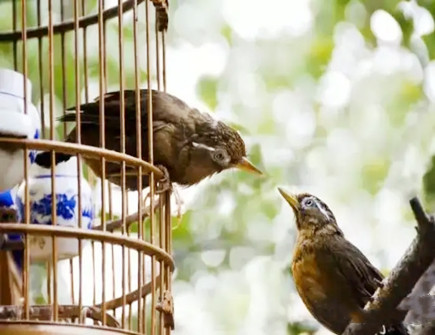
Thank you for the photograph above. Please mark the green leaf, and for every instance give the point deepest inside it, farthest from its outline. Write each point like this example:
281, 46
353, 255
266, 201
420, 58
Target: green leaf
181, 229
319, 55
206, 89
39, 300
296, 328
227, 32
373, 174
429, 181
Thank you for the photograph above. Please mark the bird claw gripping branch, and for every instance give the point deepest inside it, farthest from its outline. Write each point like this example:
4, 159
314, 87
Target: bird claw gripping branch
165, 183
166, 306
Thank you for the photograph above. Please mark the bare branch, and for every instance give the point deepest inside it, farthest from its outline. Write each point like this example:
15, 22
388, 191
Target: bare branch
418, 257
420, 304
427, 329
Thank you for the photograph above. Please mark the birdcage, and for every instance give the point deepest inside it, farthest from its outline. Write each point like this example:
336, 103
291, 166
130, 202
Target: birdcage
79, 254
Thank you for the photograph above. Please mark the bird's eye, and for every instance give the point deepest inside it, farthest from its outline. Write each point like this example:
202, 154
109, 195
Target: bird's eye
309, 203
220, 156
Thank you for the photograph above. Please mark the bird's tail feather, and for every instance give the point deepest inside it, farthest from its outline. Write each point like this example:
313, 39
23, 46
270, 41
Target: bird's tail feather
68, 117
44, 158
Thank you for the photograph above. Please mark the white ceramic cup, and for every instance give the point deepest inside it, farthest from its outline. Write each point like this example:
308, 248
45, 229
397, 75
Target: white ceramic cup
16, 123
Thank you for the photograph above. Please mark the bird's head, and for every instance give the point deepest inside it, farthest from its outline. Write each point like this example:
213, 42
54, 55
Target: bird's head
310, 212
223, 148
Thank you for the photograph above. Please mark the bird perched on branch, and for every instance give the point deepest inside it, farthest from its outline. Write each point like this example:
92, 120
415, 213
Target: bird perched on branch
188, 144
333, 278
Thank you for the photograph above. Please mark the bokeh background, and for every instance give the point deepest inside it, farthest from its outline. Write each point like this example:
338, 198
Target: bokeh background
335, 98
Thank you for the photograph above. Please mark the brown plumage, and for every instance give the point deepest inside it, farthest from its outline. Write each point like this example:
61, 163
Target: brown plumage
10, 274
333, 278
190, 145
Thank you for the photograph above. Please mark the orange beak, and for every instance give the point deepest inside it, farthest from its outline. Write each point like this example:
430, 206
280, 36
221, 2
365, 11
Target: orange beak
246, 165
291, 199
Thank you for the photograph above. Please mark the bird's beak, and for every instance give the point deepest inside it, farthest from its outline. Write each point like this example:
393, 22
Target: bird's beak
291, 199
245, 164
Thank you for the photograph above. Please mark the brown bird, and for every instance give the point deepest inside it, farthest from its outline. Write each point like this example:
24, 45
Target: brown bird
188, 144
333, 278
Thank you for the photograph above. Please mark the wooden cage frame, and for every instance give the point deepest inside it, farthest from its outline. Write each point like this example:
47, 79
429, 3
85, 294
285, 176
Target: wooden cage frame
148, 308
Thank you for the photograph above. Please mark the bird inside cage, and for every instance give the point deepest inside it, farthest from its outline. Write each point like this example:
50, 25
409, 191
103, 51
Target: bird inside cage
188, 145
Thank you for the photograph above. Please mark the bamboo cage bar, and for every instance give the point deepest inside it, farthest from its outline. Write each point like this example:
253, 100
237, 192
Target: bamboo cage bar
120, 273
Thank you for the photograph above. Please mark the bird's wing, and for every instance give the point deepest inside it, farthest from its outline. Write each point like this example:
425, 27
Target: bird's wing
162, 101
166, 108
115, 97
357, 270
111, 96
90, 112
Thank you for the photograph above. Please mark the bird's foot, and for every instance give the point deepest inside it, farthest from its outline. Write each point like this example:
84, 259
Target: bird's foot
165, 183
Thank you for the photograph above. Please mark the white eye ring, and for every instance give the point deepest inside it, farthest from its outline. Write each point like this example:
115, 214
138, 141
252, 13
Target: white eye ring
309, 202
219, 156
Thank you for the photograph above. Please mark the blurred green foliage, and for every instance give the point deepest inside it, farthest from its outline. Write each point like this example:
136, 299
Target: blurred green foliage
207, 89
299, 328
429, 183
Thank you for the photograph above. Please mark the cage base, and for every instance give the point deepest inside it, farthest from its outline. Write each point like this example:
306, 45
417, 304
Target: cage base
46, 328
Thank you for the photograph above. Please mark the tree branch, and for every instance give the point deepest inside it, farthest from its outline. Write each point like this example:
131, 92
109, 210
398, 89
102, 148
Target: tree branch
418, 257
419, 304
427, 329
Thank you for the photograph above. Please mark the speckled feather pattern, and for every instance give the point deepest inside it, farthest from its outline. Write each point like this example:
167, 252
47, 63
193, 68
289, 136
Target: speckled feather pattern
334, 279
176, 126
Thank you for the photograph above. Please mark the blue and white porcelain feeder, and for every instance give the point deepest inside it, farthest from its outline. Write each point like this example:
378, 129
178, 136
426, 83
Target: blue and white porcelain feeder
14, 122
40, 201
